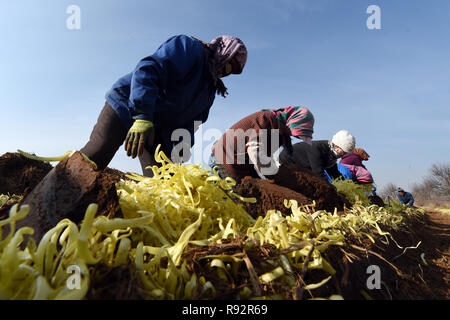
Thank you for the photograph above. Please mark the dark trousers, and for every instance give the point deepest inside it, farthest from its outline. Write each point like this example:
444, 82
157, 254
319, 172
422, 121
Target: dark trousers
108, 135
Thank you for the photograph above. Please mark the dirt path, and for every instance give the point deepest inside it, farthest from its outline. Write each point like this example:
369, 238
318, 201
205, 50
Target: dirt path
436, 246
404, 275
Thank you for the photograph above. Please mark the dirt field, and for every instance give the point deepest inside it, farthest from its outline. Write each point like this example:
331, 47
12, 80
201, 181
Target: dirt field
404, 274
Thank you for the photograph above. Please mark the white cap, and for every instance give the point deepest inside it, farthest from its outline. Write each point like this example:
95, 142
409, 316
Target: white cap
344, 140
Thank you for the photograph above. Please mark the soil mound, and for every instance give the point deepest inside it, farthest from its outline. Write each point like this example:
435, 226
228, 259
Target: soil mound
19, 174
66, 192
308, 184
290, 183
270, 196
254, 256
377, 200
115, 283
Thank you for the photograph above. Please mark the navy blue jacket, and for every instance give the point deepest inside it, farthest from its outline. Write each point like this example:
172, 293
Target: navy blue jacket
407, 198
171, 88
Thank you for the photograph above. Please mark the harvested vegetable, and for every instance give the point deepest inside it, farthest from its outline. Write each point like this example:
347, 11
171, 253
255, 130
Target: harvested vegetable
9, 199
181, 207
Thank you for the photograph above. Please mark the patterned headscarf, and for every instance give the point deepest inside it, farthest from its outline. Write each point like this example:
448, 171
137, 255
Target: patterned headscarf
221, 50
226, 48
299, 120
361, 153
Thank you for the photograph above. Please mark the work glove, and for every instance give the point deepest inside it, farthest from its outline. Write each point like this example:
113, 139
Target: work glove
252, 151
142, 132
258, 172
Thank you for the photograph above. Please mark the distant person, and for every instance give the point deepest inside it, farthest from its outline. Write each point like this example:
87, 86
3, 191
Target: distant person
404, 197
167, 90
322, 155
241, 149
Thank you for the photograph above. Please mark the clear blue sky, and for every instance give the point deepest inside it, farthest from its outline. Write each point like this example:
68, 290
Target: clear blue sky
389, 87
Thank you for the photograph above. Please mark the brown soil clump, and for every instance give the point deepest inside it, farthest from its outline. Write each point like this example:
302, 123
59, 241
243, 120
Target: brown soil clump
256, 258
269, 195
115, 283
377, 200
18, 173
290, 183
305, 182
115, 174
66, 192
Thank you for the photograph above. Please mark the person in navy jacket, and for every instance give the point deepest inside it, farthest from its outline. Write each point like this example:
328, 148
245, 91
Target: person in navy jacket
404, 197
168, 90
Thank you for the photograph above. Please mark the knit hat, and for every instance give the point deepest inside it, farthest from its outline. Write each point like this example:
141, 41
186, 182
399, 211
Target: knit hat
400, 190
344, 140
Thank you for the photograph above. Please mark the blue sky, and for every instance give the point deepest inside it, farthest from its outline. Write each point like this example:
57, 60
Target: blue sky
390, 88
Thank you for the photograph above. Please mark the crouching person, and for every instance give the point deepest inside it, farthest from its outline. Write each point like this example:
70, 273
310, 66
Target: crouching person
321, 156
249, 146
345, 172
405, 198
168, 90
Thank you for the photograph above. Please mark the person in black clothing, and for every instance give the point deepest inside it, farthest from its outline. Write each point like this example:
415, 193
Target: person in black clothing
321, 155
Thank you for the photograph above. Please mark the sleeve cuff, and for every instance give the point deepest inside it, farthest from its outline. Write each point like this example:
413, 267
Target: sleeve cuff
143, 117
